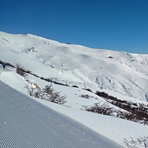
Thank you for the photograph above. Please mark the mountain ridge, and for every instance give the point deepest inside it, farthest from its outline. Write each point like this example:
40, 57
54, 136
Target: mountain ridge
121, 72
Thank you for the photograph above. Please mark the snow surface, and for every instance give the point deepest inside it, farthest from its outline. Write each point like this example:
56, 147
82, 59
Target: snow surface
28, 124
120, 72
123, 75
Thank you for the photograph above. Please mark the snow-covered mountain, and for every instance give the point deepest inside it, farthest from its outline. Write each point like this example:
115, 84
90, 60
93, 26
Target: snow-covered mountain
118, 74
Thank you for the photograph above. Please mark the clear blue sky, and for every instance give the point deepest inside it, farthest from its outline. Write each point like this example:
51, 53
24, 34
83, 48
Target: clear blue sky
110, 24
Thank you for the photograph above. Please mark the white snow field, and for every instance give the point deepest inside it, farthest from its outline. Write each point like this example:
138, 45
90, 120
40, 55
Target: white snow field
25, 123
29, 122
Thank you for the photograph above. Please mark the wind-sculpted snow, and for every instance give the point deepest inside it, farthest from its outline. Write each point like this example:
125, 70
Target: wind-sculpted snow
24, 123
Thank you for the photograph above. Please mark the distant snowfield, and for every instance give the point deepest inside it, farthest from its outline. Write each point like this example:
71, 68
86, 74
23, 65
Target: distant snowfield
123, 75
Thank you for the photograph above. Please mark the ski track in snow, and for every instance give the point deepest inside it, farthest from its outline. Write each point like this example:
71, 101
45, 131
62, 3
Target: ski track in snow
24, 123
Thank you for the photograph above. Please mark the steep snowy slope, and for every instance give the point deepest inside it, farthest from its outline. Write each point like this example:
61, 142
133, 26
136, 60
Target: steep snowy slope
120, 72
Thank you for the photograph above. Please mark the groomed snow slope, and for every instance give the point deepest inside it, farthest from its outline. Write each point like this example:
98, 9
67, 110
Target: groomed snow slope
113, 128
25, 123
